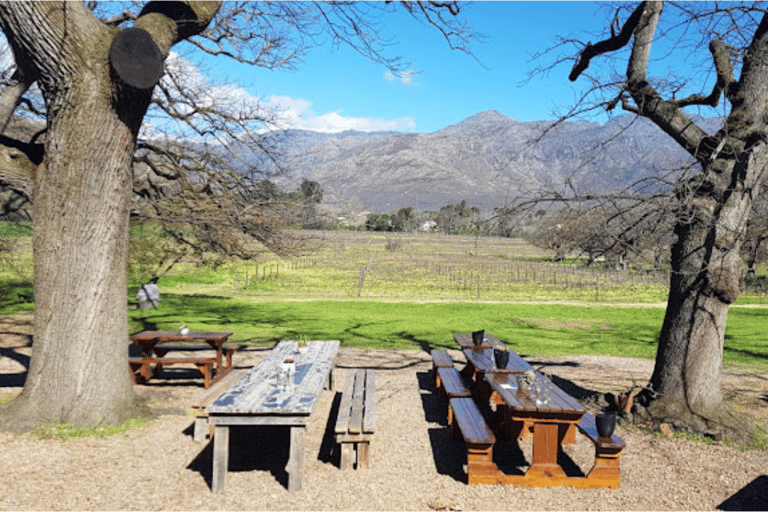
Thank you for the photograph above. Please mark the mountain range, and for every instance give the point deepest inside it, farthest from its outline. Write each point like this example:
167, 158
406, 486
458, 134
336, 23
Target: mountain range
487, 159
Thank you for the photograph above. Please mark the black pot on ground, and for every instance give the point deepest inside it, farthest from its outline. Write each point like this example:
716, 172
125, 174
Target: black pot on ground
605, 423
501, 357
477, 337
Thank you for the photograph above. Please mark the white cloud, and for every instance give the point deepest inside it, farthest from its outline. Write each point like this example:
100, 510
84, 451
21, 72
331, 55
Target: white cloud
406, 77
283, 111
297, 113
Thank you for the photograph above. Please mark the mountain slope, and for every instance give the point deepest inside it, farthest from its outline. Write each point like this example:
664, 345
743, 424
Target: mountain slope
486, 159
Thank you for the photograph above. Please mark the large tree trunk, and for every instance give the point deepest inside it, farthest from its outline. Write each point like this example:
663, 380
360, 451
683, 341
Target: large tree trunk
712, 218
79, 367
706, 270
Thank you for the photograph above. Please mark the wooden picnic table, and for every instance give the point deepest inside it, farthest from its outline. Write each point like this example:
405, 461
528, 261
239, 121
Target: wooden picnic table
553, 422
257, 399
153, 352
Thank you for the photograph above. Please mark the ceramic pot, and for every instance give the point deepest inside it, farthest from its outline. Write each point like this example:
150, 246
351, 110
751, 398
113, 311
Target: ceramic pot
501, 357
605, 423
477, 337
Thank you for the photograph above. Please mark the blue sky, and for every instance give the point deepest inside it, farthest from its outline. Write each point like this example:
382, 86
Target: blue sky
335, 90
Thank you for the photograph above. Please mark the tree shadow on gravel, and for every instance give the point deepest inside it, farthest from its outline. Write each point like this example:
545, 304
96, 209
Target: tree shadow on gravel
14, 380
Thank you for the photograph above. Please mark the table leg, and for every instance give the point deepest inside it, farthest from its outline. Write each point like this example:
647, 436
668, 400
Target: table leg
220, 458
329, 380
468, 371
295, 466
545, 448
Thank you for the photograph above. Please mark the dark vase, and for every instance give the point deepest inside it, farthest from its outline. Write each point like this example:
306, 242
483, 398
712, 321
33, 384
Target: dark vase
605, 423
502, 358
477, 337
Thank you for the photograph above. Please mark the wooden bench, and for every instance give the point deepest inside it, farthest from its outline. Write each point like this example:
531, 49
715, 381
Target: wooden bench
607, 467
450, 384
163, 349
440, 359
141, 365
467, 422
356, 422
203, 400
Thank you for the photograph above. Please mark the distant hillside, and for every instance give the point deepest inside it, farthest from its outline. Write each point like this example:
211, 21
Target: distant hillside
485, 159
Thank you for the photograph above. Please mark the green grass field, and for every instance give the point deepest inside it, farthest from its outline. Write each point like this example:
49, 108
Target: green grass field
531, 329
416, 290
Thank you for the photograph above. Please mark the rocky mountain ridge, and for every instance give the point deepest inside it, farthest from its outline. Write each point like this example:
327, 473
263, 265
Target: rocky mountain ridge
487, 159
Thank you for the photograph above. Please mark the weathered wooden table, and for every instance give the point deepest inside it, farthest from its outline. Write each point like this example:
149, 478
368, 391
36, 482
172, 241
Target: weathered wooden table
257, 399
153, 352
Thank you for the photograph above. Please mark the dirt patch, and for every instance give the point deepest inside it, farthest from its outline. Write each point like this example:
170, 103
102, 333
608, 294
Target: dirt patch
415, 465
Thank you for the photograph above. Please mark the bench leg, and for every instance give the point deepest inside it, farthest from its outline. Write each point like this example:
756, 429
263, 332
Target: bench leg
347, 456
220, 458
362, 454
607, 468
205, 369
201, 428
480, 466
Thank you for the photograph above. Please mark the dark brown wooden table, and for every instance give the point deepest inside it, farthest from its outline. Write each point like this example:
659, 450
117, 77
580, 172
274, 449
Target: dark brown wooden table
553, 424
153, 352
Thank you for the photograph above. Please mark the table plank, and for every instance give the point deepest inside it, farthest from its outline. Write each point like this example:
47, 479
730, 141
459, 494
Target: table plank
483, 361
519, 399
465, 340
175, 336
256, 392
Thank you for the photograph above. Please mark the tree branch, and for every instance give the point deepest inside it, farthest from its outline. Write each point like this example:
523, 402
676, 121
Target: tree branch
609, 45
19, 83
171, 22
725, 78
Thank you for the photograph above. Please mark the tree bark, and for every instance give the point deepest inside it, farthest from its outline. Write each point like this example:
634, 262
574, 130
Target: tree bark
79, 367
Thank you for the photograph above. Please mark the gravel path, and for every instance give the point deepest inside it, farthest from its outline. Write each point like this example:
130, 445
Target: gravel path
415, 465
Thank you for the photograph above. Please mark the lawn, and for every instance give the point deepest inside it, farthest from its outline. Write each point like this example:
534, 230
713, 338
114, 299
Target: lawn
535, 329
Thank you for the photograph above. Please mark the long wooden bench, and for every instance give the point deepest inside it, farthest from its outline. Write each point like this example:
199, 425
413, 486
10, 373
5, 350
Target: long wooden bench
203, 400
607, 467
356, 422
440, 359
467, 422
450, 384
162, 350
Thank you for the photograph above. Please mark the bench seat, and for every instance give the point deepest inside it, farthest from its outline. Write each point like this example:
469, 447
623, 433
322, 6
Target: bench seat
203, 400
450, 384
163, 349
440, 359
468, 423
607, 467
356, 422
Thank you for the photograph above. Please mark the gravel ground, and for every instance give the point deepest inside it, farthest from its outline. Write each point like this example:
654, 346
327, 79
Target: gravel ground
415, 465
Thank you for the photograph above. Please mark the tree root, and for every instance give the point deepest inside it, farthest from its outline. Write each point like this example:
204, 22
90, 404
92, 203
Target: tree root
722, 423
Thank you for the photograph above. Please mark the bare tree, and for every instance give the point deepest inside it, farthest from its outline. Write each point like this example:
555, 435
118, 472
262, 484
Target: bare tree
714, 202
97, 82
